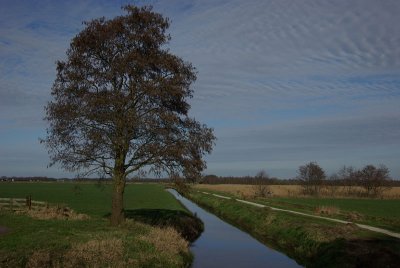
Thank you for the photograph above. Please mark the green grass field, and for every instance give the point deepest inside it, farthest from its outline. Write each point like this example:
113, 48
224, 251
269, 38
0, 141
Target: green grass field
47, 243
383, 213
377, 212
93, 199
372, 207
312, 242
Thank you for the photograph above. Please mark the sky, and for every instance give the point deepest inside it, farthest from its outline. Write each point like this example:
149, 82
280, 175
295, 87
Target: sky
282, 82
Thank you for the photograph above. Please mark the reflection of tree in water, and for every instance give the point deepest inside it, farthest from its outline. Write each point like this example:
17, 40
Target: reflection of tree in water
188, 225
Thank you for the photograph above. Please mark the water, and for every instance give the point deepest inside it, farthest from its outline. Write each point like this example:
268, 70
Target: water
222, 245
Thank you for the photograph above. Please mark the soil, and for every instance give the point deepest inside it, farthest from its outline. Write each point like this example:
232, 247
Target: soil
365, 253
373, 253
3, 230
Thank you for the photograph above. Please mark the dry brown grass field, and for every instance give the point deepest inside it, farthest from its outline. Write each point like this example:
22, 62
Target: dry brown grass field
247, 191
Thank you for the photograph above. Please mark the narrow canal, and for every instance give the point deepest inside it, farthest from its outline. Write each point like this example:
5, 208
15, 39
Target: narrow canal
223, 245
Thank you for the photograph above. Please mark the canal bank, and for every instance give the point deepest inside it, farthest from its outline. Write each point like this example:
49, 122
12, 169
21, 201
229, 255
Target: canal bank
311, 242
223, 245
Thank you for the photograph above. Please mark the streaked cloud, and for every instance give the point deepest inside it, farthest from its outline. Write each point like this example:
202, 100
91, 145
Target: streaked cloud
282, 82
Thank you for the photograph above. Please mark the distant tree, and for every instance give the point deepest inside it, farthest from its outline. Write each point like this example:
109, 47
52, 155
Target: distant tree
311, 177
349, 177
261, 184
120, 104
210, 178
374, 180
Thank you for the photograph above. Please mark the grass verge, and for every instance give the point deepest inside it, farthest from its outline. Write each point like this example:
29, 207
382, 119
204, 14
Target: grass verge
382, 213
87, 243
311, 242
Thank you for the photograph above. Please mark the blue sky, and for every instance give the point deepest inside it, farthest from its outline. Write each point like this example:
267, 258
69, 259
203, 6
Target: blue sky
282, 82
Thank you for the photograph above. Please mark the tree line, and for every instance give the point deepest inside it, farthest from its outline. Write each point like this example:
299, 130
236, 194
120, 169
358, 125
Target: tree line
28, 178
373, 180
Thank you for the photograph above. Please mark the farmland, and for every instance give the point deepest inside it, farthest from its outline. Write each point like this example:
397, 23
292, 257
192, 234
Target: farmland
143, 240
293, 190
156, 222
382, 213
91, 199
310, 241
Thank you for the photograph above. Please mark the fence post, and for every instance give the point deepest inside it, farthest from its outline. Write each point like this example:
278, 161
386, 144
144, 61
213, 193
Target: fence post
29, 202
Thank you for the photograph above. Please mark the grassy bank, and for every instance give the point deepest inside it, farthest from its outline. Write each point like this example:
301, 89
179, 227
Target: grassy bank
375, 212
383, 213
151, 236
312, 242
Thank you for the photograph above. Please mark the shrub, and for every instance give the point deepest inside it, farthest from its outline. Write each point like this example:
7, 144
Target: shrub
260, 187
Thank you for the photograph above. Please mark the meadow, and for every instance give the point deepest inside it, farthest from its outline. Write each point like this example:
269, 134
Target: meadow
380, 212
92, 199
150, 237
246, 190
311, 242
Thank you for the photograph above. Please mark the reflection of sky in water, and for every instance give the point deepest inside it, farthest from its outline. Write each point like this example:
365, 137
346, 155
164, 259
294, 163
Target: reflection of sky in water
222, 245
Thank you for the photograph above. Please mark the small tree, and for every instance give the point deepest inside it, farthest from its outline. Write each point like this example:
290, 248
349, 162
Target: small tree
312, 177
374, 180
120, 104
260, 187
349, 177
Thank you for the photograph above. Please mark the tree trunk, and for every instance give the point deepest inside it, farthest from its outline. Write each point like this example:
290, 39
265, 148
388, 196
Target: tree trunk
117, 212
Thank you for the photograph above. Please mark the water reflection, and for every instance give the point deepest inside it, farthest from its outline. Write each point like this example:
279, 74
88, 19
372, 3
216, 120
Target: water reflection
222, 245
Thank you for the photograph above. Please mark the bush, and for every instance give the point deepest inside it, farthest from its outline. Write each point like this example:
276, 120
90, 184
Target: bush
260, 187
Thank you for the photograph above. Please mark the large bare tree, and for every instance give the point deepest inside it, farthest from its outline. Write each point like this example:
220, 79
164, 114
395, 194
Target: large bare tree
312, 177
120, 104
374, 179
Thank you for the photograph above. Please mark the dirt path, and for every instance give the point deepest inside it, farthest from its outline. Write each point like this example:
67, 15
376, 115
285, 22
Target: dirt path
363, 226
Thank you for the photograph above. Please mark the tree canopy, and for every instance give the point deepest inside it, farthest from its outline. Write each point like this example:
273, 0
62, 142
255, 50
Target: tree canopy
311, 176
120, 104
373, 179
